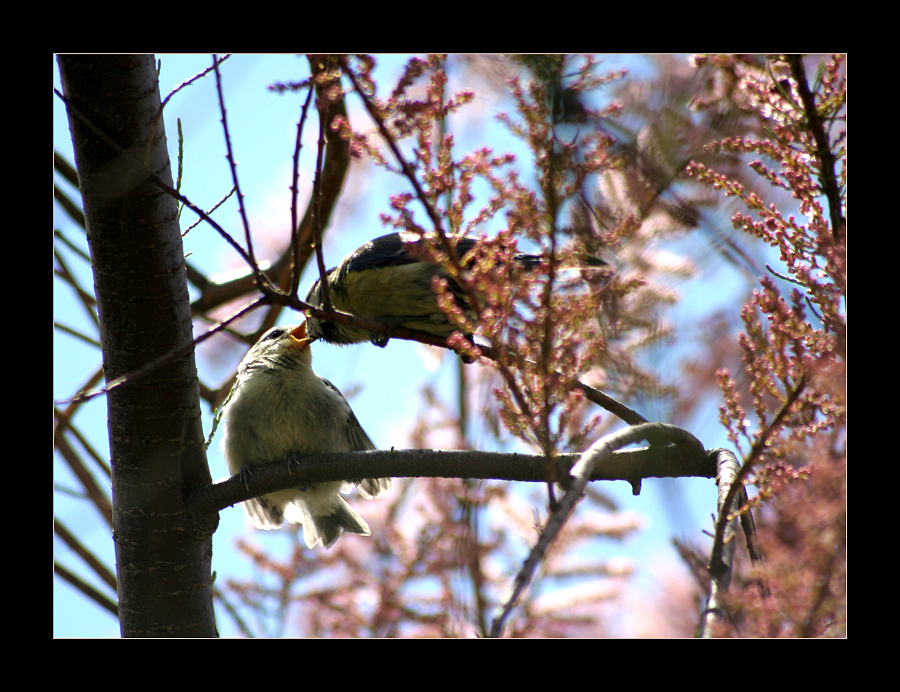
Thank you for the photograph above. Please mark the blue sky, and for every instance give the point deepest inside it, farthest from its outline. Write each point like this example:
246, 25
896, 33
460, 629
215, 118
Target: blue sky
263, 126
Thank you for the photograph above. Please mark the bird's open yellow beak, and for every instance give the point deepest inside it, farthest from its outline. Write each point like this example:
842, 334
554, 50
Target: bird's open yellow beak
301, 340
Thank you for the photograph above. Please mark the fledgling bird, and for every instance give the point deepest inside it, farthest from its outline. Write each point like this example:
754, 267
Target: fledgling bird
280, 406
384, 280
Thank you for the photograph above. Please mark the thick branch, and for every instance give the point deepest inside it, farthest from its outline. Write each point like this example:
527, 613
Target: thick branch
664, 461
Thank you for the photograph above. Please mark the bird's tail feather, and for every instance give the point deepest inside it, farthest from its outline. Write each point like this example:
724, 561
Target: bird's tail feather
326, 528
262, 514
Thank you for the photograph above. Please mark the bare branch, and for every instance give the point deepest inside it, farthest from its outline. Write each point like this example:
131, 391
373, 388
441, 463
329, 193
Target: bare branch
824, 153
658, 461
599, 454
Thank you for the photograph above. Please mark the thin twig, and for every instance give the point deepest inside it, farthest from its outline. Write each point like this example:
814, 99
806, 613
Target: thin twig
755, 454
92, 593
729, 505
153, 365
823, 151
261, 280
232, 164
295, 192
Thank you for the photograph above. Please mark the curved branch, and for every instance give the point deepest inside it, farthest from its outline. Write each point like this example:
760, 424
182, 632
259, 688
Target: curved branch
722, 559
599, 455
681, 459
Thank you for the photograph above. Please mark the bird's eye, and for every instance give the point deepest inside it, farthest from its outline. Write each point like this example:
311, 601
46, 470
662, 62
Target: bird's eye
275, 334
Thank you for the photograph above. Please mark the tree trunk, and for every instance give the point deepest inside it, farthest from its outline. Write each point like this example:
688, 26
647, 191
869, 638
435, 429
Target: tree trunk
155, 437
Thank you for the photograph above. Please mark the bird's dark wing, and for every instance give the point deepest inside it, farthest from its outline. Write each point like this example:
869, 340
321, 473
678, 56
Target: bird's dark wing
369, 488
355, 433
393, 250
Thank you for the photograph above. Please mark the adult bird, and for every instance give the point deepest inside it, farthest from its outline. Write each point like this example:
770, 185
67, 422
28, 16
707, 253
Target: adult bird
389, 280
